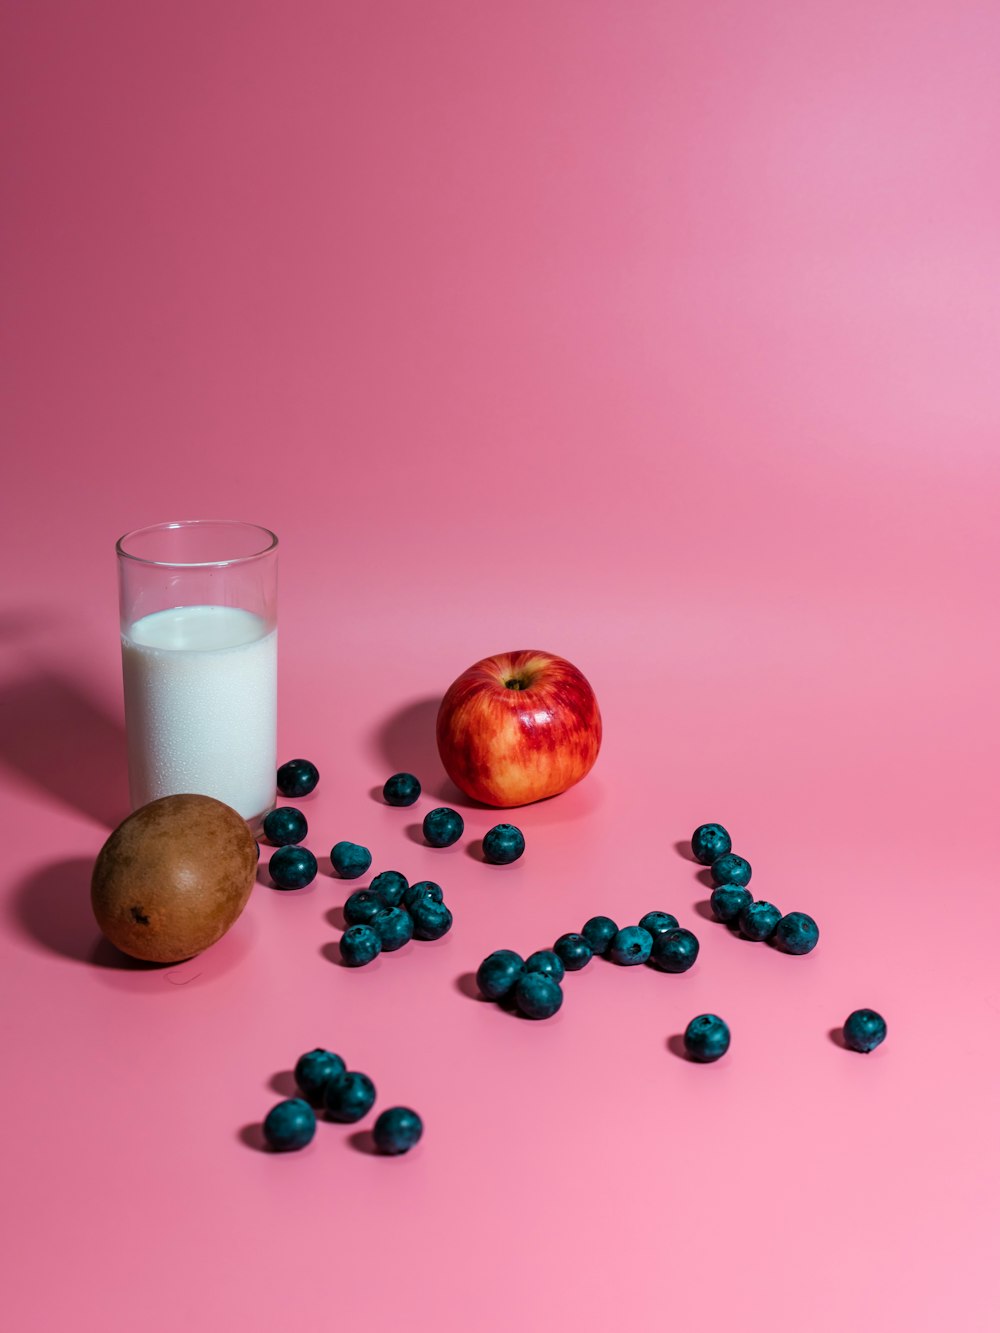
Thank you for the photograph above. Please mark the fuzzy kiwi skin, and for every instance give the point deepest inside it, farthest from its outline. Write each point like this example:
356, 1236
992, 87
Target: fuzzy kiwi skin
173, 877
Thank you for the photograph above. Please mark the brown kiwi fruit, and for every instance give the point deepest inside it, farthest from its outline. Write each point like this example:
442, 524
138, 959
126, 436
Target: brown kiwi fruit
173, 877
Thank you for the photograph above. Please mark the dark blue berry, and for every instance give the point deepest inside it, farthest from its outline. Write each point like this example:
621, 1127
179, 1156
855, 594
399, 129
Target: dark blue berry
360, 945
401, 789
362, 907
443, 826
390, 887
297, 778
706, 1038
574, 951
731, 869
314, 1070
292, 867
289, 1125
709, 842
498, 973
796, 932
864, 1030
632, 945
547, 962
729, 900
397, 1130
424, 888
350, 860
431, 920
599, 931
394, 927
758, 921
658, 923
349, 1097
503, 844
675, 951
538, 996
285, 826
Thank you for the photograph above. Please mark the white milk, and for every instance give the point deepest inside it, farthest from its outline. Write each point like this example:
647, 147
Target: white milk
201, 688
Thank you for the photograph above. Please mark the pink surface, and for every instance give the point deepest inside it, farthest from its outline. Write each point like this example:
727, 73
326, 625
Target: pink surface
663, 336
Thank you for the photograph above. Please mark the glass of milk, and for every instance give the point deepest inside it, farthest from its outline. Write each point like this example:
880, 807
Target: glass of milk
199, 629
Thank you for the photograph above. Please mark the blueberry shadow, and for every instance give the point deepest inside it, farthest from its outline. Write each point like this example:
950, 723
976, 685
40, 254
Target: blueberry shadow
705, 877
683, 848
836, 1035
252, 1136
363, 1140
675, 1045
51, 907
336, 918
376, 794
466, 985
63, 742
415, 833
704, 910
284, 1084
475, 850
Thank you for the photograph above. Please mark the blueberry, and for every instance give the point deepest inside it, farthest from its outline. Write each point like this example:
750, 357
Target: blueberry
630, 946
538, 996
864, 1030
349, 1097
574, 951
599, 931
709, 842
397, 1130
360, 945
297, 778
289, 1125
350, 860
503, 844
292, 867
658, 923
706, 1038
796, 932
424, 888
730, 869
314, 1070
390, 887
285, 826
362, 907
498, 973
729, 900
675, 951
431, 919
758, 921
401, 789
547, 962
443, 826
394, 927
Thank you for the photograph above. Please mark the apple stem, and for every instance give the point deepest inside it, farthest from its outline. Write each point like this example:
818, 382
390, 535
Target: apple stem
515, 684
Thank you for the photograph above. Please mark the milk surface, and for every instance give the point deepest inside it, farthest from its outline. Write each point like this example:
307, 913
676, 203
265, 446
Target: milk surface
201, 688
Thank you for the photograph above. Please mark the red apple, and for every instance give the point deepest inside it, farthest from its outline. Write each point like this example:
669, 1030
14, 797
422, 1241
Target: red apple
518, 727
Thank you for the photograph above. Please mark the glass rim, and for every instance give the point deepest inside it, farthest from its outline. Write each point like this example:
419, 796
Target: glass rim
271, 543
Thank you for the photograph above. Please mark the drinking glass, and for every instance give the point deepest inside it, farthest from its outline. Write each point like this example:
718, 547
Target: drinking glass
199, 631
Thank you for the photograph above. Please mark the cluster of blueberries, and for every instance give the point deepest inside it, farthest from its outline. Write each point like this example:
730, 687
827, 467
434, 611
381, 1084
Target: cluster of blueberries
390, 913
733, 903
534, 984
293, 866
443, 827
795, 933
346, 1096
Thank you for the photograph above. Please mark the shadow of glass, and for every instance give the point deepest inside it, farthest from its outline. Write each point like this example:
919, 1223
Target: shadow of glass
61, 741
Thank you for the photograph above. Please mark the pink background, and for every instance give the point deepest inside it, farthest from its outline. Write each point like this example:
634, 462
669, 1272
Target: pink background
661, 335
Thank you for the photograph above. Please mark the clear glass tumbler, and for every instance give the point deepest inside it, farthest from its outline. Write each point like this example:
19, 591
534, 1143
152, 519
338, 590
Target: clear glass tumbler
199, 627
